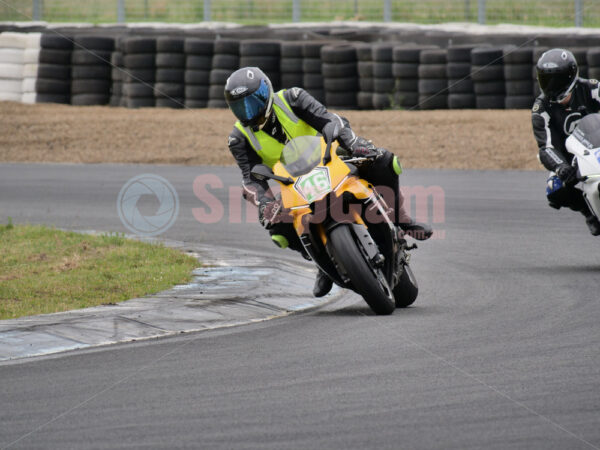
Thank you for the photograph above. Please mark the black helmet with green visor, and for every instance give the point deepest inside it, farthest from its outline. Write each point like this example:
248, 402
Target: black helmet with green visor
249, 95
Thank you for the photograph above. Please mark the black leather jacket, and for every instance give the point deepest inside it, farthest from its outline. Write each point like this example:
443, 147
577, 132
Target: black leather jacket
553, 123
307, 108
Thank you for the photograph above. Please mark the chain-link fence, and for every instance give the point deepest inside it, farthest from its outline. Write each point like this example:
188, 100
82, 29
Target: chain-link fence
561, 13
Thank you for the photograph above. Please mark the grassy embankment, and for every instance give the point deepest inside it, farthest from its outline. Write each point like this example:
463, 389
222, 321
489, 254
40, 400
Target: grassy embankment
532, 12
44, 270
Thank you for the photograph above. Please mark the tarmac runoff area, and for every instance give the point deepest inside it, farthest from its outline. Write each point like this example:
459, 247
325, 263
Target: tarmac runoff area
232, 287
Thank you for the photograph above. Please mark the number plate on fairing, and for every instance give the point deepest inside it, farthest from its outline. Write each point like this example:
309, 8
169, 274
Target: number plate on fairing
314, 184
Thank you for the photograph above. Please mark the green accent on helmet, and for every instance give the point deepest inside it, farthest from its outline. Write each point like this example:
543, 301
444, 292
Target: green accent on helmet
397, 166
280, 240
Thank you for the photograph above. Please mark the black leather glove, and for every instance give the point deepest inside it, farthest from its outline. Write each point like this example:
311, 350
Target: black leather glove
567, 173
363, 148
268, 212
331, 131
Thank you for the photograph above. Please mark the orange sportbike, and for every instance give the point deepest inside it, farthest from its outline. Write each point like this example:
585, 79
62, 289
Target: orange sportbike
343, 223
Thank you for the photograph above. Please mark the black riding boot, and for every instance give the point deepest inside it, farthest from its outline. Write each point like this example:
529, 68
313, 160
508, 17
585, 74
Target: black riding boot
323, 284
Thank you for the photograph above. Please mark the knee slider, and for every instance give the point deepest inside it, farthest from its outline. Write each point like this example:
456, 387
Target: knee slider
280, 240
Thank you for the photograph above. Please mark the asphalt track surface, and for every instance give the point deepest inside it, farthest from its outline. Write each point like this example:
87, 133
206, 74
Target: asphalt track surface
500, 351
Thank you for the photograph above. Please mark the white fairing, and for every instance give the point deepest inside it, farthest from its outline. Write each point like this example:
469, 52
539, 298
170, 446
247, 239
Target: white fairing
588, 161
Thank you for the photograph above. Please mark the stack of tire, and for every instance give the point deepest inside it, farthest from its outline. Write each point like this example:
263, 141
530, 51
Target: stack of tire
383, 78
225, 60
290, 65
433, 81
537, 53
340, 76
169, 89
458, 71
593, 59
91, 70
311, 68
12, 54
198, 60
31, 59
366, 85
517, 78
139, 60
264, 54
117, 74
405, 69
580, 54
487, 73
53, 84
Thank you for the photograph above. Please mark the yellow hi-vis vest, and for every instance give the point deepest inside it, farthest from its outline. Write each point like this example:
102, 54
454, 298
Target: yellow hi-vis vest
268, 148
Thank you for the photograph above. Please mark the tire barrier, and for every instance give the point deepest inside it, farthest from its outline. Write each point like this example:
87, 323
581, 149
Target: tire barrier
53, 84
366, 85
405, 68
198, 62
458, 71
117, 75
340, 76
91, 72
311, 68
383, 77
171, 67
517, 76
433, 84
593, 59
12, 61
290, 65
169, 87
225, 60
139, 61
487, 73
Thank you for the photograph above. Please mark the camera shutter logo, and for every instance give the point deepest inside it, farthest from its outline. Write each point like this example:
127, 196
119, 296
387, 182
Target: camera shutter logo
132, 217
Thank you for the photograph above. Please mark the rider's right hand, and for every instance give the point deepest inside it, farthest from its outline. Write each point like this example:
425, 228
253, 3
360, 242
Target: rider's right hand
268, 212
567, 173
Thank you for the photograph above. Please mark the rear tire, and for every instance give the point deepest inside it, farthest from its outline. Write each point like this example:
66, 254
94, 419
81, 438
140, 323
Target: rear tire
360, 272
407, 289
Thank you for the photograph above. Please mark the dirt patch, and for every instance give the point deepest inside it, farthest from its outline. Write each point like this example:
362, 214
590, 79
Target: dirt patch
458, 139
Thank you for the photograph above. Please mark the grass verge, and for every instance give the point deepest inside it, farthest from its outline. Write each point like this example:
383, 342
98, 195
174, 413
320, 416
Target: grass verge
44, 270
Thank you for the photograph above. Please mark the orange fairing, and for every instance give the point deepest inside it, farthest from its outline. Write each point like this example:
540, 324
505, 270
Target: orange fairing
338, 171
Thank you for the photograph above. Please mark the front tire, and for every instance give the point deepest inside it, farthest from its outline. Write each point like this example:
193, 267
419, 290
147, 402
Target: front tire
407, 289
362, 275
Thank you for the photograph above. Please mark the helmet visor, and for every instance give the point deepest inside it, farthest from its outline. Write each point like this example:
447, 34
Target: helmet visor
555, 85
251, 107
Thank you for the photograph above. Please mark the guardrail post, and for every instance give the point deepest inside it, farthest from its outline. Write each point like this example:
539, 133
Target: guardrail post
578, 13
467, 10
120, 11
37, 10
207, 11
387, 10
481, 12
296, 11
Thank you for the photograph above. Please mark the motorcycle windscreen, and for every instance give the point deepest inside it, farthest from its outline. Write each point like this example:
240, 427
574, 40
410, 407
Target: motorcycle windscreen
301, 155
588, 131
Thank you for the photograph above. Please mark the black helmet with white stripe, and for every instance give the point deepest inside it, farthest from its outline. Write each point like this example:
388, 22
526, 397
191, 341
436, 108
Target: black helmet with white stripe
249, 94
557, 73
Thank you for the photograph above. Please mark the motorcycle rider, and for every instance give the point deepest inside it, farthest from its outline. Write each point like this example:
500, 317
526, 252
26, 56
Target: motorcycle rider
564, 100
267, 120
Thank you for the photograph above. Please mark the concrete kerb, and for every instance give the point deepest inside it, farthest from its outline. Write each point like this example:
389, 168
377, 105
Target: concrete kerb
232, 287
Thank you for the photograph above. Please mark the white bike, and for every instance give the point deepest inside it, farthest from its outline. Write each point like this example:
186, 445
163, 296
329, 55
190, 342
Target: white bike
584, 144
